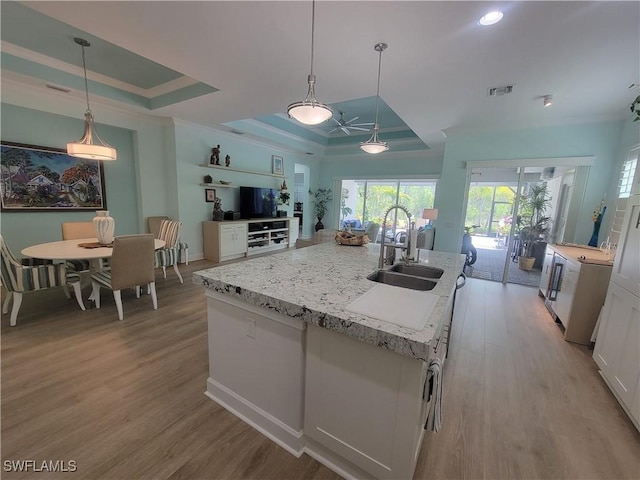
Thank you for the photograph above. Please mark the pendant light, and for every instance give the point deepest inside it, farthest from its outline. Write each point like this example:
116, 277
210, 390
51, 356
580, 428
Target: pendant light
374, 145
310, 111
90, 146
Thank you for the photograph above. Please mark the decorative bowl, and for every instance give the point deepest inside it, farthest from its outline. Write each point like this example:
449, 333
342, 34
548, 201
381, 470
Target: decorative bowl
224, 182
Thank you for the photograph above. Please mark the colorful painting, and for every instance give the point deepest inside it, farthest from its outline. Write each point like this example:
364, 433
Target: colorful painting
36, 179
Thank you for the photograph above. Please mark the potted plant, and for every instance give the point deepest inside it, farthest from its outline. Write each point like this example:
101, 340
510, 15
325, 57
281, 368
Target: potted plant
534, 224
321, 199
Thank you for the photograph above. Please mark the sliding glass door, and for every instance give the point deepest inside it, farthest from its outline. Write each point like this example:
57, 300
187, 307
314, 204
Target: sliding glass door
364, 201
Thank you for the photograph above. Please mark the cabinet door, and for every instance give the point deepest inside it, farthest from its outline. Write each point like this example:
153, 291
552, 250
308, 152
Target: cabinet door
617, 350
546, 271
240, 242
626, 267
227, 240
567, 291
294, 229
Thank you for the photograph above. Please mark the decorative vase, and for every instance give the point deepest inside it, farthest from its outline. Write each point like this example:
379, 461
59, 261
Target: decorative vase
319, 225
593, 242
105, 227
526, 263
218, 215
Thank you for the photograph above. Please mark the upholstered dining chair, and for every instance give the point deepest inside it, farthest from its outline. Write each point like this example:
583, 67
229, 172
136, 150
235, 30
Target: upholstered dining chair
169, 255
19, 279
154, 224
132, 265
75, 231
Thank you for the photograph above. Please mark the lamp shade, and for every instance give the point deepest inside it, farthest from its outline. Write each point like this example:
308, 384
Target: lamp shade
310, 113
430, 213
374, 147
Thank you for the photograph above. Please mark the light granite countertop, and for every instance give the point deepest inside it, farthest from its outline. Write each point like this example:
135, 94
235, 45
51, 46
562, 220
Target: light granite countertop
315, 284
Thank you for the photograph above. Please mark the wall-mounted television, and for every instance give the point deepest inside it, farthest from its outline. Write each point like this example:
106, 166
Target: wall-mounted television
257, 202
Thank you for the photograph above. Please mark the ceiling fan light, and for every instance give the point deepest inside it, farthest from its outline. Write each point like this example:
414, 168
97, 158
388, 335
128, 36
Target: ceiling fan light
491, 18
91, 146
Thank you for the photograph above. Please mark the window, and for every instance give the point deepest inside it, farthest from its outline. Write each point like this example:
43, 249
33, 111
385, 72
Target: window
625, 184
364, 201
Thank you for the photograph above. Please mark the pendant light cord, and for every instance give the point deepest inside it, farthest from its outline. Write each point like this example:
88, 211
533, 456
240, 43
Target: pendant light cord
313, 22
86, 83
378, 90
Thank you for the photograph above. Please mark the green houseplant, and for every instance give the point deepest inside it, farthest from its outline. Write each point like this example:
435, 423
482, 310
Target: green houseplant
534, 223
321, 199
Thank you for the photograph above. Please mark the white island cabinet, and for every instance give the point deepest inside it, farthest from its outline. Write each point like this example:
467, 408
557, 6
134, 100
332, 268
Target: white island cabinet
288, 358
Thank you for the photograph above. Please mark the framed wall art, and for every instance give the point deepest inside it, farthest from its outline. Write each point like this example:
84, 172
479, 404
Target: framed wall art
37, 179
210, 194
277, 165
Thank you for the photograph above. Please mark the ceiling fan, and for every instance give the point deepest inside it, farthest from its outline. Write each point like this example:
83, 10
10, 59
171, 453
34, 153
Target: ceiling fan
347, 126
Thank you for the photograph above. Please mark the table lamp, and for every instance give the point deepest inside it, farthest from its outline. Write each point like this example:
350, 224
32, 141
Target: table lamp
429, 214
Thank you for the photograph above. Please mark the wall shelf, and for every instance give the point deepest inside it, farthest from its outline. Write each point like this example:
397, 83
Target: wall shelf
229, 169
217, 185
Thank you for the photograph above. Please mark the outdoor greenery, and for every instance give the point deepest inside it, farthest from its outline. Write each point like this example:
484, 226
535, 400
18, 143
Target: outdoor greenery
344, 210
321, 199
534, 224
385, 194
481, 200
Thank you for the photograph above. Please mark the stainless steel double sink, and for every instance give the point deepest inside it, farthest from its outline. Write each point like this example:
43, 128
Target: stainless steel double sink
413, 276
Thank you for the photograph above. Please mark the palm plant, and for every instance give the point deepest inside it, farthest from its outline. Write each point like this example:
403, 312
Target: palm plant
535, 225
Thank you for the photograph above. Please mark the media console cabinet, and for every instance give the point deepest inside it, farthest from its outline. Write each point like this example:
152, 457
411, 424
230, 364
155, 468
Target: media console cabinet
227, 240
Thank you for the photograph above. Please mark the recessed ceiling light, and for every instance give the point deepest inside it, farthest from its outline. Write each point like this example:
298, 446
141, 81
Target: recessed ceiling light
547, 100
491, 18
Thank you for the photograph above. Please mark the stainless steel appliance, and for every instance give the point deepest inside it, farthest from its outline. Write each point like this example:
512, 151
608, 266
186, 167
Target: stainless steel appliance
555, 283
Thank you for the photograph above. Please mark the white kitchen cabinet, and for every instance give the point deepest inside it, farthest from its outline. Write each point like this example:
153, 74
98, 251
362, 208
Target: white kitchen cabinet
579, 286
364, 403
617, 350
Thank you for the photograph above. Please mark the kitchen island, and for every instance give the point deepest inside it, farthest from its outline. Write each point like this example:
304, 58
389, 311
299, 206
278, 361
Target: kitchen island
289, 357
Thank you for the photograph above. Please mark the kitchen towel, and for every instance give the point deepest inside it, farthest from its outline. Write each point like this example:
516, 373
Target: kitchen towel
397, 305
434, 422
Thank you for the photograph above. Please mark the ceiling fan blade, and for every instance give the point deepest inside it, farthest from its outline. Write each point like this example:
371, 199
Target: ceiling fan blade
352, 120
337, 122
332, 130
345, 130
365, 124
359, 128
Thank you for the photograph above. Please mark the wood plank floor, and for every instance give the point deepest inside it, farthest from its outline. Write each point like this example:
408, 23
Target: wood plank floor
125, 400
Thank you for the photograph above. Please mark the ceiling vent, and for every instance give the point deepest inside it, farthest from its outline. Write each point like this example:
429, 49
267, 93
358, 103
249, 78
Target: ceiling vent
547, 173
499, 91
237, 132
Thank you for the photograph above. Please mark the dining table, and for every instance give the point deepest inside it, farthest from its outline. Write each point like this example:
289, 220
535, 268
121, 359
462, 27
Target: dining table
77, 249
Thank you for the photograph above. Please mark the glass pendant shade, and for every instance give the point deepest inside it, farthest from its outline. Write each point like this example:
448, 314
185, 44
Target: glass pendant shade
374, 145
86, 148
310, 111
90, 146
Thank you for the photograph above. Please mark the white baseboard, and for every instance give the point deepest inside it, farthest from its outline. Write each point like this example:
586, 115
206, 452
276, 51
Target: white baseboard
288, 438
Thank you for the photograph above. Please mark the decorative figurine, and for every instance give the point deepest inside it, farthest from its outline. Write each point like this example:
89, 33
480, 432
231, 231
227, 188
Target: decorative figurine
215, 156
227, 160
284, 185
208, 179
218, 214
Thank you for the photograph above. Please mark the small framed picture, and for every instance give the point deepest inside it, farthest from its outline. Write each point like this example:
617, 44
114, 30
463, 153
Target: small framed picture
277, 165
210, 194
